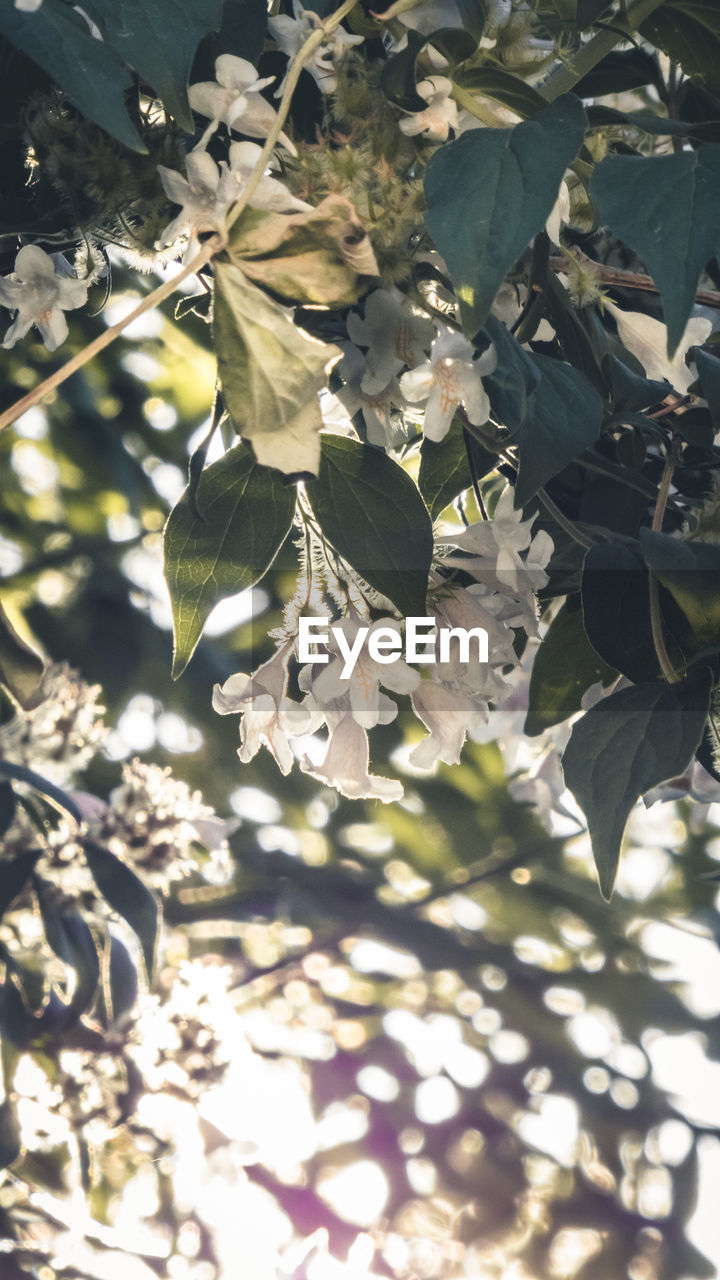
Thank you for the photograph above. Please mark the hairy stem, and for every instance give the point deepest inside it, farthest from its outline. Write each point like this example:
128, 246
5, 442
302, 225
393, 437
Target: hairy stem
567, 76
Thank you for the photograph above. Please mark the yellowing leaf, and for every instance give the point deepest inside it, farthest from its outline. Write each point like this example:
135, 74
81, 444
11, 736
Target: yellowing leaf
271, 372
322, 257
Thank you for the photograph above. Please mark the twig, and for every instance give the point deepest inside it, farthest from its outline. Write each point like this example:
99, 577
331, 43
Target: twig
105, 339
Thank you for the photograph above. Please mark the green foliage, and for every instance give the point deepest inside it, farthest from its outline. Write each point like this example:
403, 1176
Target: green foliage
656, 203
138, 29
21, 667
565, 667
270, 372
688, 31
623, 747
371, 513
562, 420
224, 542
444, 467
129, 897
490, 191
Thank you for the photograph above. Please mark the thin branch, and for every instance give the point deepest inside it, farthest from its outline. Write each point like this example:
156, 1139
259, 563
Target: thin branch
630, 279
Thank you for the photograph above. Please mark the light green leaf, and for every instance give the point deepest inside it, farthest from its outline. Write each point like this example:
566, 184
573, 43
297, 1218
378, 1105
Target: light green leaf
563, 419
445, 468
89, 71
371, 512
158, 38
622, 748
565, 667
246, 512
128, 896
665, 209
21, 667
688, 31
322, 257
490, 192
271, 372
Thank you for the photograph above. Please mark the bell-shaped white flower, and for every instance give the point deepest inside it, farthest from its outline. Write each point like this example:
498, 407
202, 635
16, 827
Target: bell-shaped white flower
450, 377
447, 714
362, 687
269, 716
290, 35
233, 98
396, 335
494, 546
440, 114
646, 339
346, 765
39, 295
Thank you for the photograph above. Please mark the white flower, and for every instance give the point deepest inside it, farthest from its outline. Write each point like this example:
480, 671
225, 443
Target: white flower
208, 190
362, 687
270, 193
494, 548
440, 114
269, 716
39, 295
447, 714
346, 765
28, 6
395, 334
234, 99
376, 408
559, 214
290, 35
646, 339
450, 377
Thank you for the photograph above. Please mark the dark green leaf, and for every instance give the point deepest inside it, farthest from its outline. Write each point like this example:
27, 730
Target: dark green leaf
563, 419
657, 203
242, 31
371, 512
565, 667
502, 86
618, 72
14, 875
158, 38
10, 1143
623, 747
445, 469
659, 126
708, 368
580, 345
398, 76
7, 808
70, 938
123, 979
19, 773
128, 896
246, 513
630, 391
21, 667
688, 31
515, 378
690, 571
89, 71
616, 608
490, 192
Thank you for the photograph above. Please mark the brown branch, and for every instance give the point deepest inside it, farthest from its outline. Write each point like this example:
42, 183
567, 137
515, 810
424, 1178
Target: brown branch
631, 279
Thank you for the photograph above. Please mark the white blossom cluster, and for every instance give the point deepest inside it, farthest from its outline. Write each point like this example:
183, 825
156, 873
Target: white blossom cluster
456, 698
